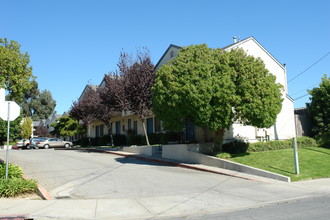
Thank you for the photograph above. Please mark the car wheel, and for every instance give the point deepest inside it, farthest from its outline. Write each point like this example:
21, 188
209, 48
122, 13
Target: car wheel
46, 146
66, 145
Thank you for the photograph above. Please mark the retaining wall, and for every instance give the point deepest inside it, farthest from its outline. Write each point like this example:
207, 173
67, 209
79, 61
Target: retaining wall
181, 152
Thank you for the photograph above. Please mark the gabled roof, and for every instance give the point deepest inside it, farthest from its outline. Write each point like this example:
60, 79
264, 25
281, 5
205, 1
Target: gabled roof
87, 87
231, 46
237, 44
169, 47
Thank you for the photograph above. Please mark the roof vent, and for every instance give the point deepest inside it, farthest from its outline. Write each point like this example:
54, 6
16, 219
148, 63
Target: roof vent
236, 39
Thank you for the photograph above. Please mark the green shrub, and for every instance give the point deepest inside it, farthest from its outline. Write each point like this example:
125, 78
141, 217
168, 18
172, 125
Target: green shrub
119, 139
269, 145
323, 140
224, 155
156, 138
16, 186
14, 171
235, 147
77, 142
306, 142
171, 136
94, 141
84, 142
281, 144
135, 140
104, 140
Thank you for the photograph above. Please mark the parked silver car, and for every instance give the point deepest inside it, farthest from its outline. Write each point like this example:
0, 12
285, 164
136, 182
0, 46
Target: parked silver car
35, 140
53, 142
22, 144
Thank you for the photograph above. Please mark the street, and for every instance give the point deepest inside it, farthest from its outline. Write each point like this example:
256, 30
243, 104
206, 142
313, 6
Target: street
302, 209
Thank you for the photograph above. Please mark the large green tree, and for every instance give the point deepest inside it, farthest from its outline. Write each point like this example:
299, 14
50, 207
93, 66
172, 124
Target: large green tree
213, 88
15, 72
320, 111
14, 129
28, 99
43, 105
67, 127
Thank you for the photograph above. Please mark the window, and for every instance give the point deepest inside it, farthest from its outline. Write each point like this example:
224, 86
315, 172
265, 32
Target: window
129, 124
158, 126
97, 131
101, 130
110, 131
117, 127
150, 125
135, 127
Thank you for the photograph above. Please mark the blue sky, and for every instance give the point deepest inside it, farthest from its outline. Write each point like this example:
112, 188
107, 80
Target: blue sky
73, 43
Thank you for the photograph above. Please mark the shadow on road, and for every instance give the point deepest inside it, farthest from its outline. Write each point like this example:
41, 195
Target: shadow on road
130, 160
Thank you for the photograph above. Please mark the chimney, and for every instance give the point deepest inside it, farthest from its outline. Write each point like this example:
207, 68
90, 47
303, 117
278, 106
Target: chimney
234, 38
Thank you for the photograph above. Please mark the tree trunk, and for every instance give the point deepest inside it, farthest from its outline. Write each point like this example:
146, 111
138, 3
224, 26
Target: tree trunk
110, 133
145, 132
218, 140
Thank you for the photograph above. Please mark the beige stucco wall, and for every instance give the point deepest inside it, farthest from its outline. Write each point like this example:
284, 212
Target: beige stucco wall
123, 125
284, 127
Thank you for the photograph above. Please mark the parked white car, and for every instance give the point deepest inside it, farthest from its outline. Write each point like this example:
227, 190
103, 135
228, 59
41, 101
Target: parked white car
53, 142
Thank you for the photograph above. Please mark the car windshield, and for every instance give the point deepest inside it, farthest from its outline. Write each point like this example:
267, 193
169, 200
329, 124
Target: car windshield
38, 139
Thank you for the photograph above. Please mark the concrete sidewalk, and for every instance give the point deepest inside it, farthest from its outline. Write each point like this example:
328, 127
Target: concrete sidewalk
145, 208
257, 192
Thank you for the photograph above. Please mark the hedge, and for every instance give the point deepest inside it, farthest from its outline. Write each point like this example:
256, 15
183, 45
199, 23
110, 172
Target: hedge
123, 140
236, 147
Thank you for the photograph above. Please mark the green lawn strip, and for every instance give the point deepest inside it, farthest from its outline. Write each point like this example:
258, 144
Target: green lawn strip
314, 162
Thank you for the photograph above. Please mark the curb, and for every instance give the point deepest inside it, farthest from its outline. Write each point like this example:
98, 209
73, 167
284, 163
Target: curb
41, 191
165, 162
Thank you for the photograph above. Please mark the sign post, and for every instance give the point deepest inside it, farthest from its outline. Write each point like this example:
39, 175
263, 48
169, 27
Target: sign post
9, 112
295, 152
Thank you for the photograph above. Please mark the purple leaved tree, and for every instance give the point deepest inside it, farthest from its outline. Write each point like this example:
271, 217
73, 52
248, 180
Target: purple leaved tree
86, 107
109, 100
137, 78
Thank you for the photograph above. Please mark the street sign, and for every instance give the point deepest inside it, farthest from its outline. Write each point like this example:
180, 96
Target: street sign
9, 111
14, 110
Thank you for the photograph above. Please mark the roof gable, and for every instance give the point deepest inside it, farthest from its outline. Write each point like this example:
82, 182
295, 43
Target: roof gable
240, 43
87, 87
166, 56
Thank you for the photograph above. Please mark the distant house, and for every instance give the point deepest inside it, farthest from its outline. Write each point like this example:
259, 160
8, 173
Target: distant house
284, 128
47, 122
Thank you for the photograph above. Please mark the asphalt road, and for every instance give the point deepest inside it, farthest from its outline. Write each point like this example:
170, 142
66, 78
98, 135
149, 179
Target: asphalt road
82, 175
301, 209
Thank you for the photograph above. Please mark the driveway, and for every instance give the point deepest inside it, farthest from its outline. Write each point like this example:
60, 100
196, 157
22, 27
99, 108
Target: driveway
83, 175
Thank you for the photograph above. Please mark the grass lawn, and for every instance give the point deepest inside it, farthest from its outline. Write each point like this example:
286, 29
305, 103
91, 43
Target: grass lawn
314, 162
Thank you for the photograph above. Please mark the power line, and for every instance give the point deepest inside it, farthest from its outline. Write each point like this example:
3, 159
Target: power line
304, 89
310, 67
301, 97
